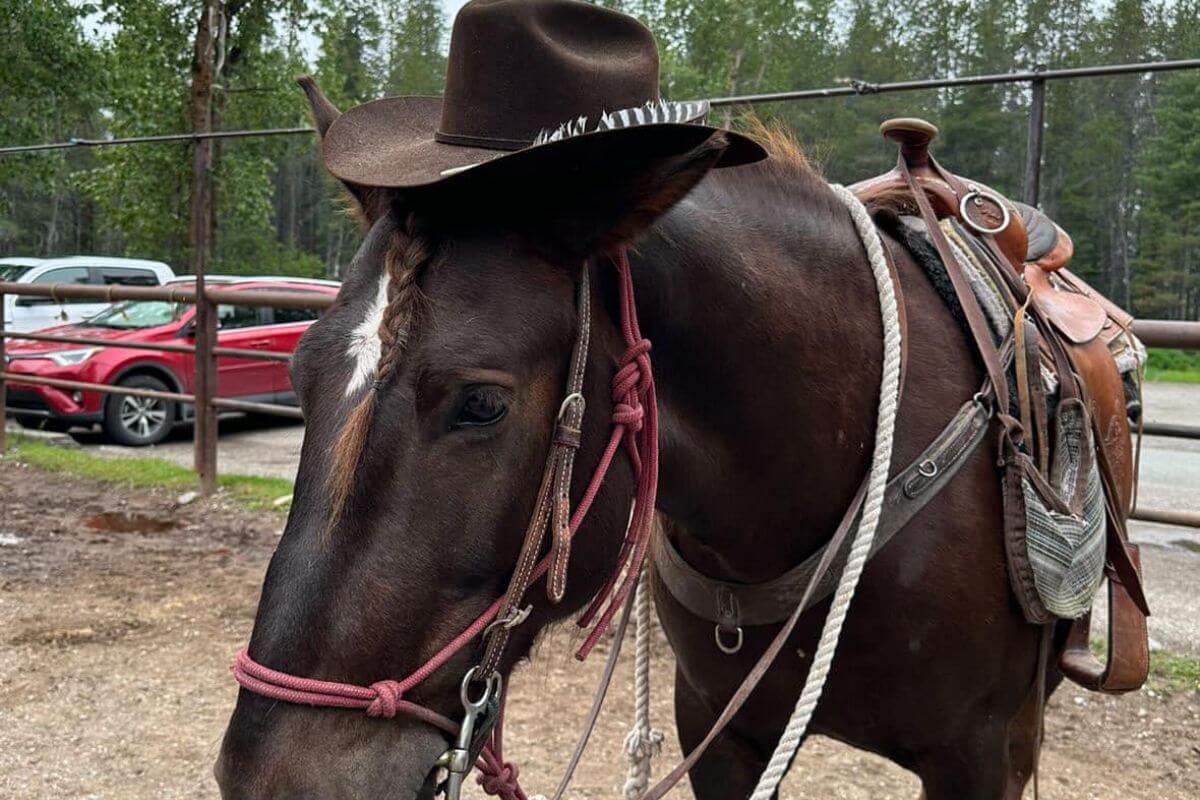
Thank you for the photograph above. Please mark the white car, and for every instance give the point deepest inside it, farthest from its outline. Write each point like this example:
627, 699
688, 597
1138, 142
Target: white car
23, 314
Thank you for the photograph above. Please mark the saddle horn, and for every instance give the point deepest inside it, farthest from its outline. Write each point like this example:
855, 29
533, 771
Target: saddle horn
913, 135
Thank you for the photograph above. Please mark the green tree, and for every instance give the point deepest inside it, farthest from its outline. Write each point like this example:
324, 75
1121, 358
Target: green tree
50, 90
415, 62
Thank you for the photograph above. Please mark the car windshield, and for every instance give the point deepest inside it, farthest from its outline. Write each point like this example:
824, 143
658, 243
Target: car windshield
10, 272
139, 314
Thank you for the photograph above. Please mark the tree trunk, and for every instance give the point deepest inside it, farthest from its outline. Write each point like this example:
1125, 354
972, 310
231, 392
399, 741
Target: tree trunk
201, 95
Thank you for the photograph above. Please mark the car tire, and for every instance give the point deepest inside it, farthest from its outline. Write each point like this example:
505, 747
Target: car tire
34, 423
138, 421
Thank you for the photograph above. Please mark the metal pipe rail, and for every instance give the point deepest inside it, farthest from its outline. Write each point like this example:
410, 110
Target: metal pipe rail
1170, 333
219, 293
84, 386
854, 86
850, 88
1170, 429
164, 347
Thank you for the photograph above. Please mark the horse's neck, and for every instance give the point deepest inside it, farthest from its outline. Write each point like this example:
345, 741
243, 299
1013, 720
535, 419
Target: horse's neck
762, 311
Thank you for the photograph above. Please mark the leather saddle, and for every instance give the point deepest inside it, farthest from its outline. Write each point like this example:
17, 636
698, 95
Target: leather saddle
1081, 323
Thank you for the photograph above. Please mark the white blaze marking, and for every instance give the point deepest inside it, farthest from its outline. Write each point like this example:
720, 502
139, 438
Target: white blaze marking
365, 346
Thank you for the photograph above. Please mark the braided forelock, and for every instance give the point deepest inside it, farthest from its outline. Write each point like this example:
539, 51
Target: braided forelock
407, 257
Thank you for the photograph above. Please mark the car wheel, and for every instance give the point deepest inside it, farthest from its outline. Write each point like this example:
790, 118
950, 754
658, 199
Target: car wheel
40, 423
139, 421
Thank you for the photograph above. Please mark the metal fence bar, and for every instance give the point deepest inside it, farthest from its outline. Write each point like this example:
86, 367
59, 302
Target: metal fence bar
299, 300
1185, 519
172, 293
857, 87
262, 355
273, 409
1033, 147
106, 388
294, 300
159, 139
229, 403
164, 347
850, 88
1170, 333
1171, 429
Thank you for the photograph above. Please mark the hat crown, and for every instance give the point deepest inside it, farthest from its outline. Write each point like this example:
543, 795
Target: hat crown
520, 67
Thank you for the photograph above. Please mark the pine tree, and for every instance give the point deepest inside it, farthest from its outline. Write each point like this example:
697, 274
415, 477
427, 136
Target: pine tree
416, 63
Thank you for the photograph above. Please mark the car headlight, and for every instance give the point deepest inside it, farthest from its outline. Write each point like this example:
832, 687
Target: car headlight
69, 358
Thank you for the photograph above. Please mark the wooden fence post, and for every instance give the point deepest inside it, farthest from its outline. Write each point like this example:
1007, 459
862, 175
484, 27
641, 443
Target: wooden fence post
205, 432
3, 385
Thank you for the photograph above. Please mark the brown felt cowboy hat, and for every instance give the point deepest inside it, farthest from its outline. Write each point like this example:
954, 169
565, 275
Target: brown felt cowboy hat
534, 85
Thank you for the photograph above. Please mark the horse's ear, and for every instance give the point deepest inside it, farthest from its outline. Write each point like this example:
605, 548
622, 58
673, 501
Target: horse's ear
372, 204
619, 203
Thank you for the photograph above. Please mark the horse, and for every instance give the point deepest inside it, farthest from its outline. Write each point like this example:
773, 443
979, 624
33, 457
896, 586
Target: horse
414, 489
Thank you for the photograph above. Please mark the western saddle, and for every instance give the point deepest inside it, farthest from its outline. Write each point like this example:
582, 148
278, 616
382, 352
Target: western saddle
1071, 328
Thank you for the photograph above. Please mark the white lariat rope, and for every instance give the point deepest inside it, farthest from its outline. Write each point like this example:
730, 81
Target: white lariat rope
643, 742
889, 396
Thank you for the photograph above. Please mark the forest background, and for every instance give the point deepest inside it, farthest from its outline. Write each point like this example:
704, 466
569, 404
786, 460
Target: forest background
1122, 155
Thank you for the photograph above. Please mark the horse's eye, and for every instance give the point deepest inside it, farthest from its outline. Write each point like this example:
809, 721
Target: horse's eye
482, 406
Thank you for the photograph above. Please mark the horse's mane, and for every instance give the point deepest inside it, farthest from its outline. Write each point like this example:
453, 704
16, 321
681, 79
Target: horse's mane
784, 149
788, 159
409, 255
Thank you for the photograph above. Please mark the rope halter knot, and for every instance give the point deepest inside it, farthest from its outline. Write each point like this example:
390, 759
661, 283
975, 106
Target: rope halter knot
630, 385
387, 699
502, 782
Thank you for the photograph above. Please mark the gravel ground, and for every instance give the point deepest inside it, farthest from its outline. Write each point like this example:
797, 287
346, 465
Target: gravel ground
114, 649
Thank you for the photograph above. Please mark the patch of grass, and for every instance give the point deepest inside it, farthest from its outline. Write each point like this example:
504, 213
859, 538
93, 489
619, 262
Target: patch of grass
1169, 672
1179, 673
254, 492
1173, 366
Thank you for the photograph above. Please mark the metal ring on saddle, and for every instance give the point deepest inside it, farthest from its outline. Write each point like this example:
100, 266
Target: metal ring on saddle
728, 649
978, 195
928, 468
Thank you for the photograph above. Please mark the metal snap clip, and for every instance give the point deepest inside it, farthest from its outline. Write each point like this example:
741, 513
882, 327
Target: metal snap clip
457, 760
728, 649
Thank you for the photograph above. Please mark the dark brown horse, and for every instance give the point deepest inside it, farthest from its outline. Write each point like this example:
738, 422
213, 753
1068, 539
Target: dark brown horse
756, 292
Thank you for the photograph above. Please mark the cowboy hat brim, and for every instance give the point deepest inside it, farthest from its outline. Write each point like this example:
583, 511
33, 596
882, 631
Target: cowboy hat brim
390, 143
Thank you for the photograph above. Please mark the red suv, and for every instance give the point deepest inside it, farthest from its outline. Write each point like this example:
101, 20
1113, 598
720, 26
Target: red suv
142, 421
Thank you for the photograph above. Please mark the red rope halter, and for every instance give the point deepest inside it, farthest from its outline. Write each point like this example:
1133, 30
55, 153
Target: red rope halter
635, 423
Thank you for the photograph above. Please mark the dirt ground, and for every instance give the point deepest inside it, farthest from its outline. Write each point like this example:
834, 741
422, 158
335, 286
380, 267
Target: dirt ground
114, 649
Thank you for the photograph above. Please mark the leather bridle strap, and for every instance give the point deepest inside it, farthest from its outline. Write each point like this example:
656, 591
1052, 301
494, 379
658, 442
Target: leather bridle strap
553, 506
976, 321
767, 659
